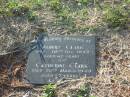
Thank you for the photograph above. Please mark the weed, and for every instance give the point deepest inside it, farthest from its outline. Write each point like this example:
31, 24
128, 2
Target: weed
31, 15
127, 1
64, 13
20, 8
82, 14
49, 90
37, 2
34, 4
116, 17
84, 1
55, 5
12, 4
84, 91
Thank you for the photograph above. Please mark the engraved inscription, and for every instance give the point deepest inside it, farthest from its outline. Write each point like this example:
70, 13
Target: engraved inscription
64, 57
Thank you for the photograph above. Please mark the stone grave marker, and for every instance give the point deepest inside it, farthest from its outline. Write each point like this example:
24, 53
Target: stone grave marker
52, 58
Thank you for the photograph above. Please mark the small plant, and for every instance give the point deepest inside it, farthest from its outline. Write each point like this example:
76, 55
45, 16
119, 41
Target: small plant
84, 91
82, 14
20, 8
34, 4
55, 5
127, 1
12, 4
37, 2
49, 90
7, 7
64, 13
84, 2
31, 15
116, 17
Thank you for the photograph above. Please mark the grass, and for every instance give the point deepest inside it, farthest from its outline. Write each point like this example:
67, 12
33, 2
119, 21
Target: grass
127, 1
116, 17
73, 20
67, 14
113, 17
49, 90
20, 8
84, 91
85, 2
55, 5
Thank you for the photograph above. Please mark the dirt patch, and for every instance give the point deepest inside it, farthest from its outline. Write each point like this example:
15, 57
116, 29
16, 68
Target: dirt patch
12, 66
112, 80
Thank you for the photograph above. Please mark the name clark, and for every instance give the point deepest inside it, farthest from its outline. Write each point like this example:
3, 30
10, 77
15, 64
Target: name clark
59, 47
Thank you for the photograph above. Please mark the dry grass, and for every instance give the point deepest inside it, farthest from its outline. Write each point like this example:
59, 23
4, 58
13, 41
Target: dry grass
113, 69
113, 57
113, 79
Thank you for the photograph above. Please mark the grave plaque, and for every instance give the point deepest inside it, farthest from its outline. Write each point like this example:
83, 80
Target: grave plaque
52, 58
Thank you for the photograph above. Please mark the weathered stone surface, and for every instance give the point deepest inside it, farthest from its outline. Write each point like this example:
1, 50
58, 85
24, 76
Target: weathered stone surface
56, 57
